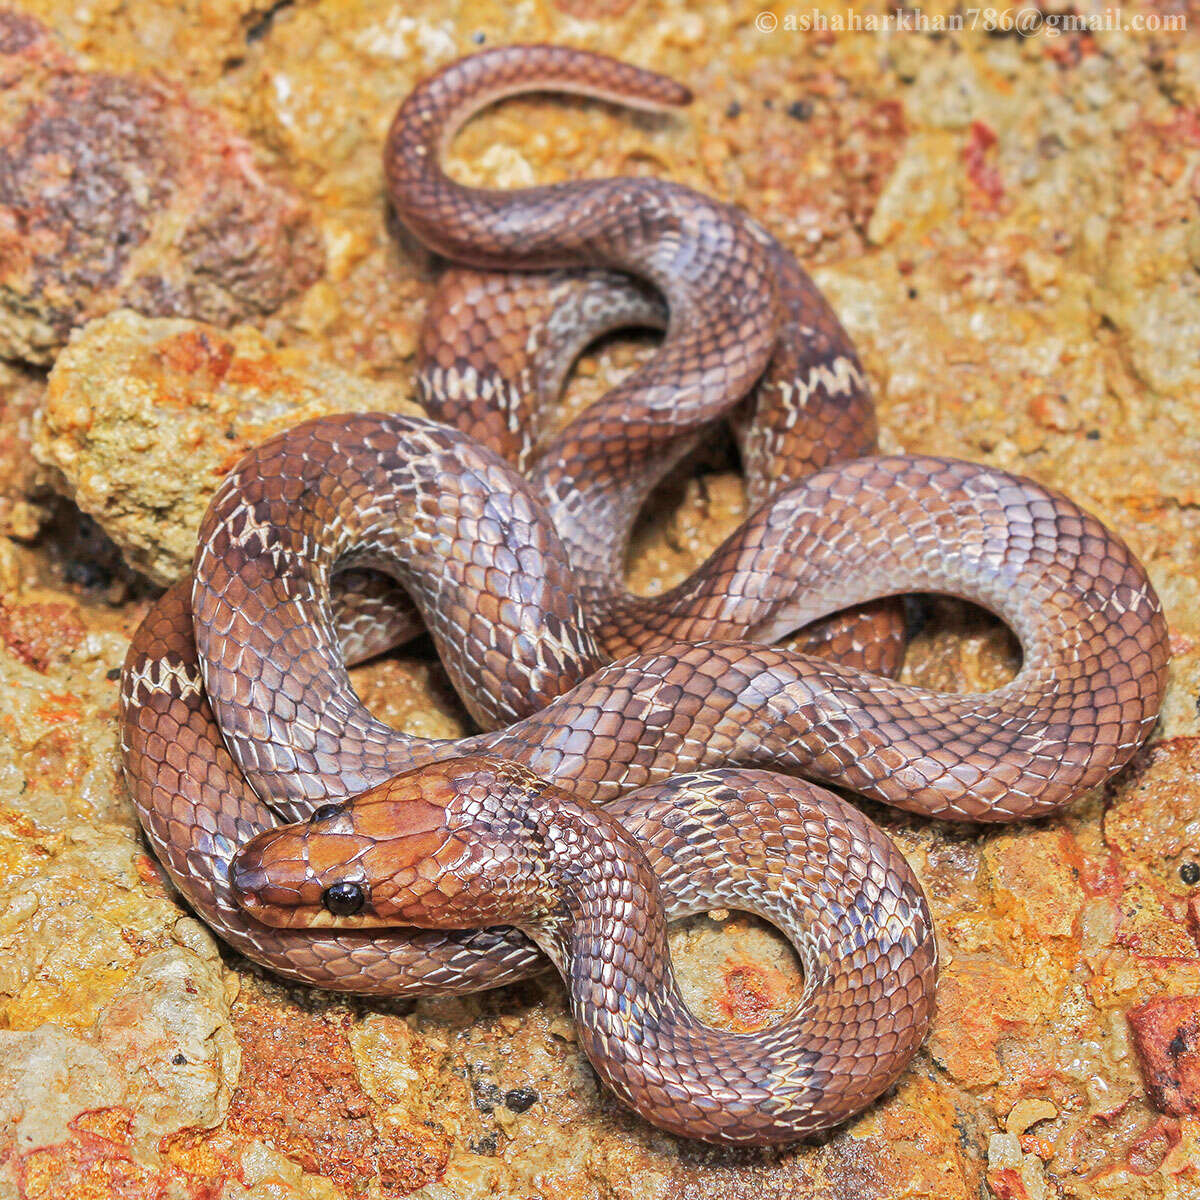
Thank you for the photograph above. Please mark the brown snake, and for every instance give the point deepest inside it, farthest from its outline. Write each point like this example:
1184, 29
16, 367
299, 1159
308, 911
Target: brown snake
586, 693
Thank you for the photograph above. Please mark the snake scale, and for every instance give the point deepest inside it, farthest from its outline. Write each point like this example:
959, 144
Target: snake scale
626, 769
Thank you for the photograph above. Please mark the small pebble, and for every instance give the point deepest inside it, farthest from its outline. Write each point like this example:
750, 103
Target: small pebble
520, 1099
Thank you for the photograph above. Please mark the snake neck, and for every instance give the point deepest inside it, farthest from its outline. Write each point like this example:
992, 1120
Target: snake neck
597, 891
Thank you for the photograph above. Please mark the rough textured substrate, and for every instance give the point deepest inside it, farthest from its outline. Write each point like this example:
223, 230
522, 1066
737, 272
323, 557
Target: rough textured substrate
1010, 230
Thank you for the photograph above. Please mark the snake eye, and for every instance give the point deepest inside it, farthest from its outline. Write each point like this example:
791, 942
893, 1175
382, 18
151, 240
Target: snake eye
344, 899
325, 812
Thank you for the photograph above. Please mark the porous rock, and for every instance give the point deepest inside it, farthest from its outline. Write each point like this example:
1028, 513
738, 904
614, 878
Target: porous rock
118, 189
143, 417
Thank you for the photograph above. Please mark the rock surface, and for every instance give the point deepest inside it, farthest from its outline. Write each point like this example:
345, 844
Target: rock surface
118, 189
143, 417
1008, 228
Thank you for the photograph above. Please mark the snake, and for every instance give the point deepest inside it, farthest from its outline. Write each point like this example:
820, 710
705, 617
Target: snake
637, 758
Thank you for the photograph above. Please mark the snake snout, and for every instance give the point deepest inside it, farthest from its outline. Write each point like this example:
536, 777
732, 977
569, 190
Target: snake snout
273, 881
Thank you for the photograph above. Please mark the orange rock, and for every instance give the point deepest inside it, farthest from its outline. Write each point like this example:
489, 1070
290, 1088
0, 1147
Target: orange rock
1166, 1035
753, 996
1142, 822
977, 1002
1148, 1152
299, 1090
1034, 881
981, 170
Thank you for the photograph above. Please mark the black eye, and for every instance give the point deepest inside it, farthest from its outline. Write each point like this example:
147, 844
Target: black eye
344, 899
325, 812
1189, 872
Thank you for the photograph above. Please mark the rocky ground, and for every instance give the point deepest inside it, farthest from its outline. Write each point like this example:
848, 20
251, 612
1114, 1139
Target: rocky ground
195, 252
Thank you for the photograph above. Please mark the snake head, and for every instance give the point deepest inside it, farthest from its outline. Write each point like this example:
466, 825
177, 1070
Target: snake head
446, 846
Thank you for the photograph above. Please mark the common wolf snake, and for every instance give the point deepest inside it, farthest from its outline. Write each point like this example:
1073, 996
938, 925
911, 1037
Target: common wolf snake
562, 817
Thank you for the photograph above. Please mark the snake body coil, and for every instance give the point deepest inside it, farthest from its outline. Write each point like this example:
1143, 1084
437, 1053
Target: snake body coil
237, 708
